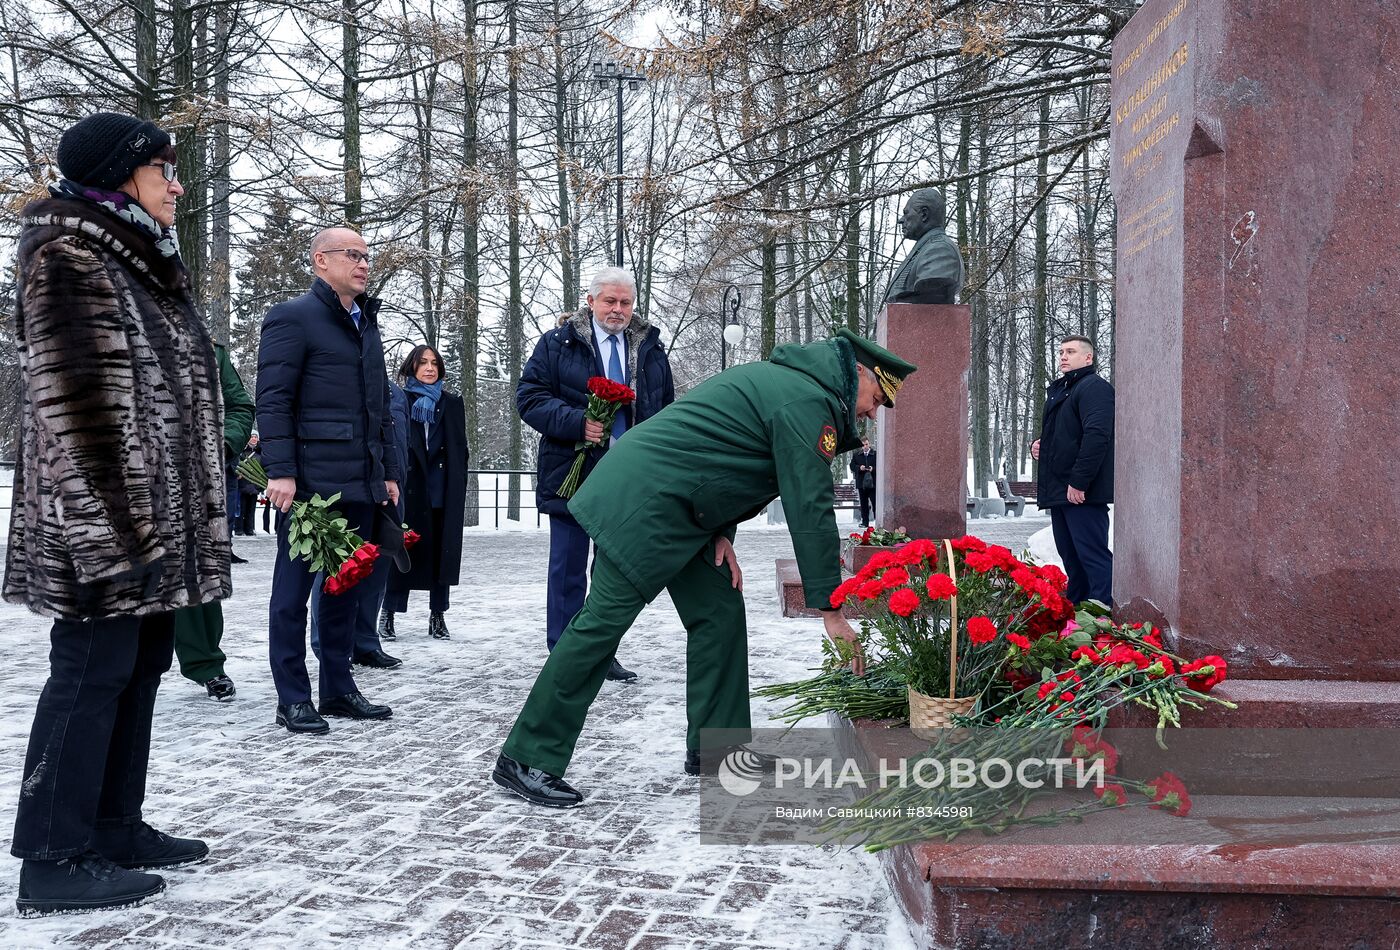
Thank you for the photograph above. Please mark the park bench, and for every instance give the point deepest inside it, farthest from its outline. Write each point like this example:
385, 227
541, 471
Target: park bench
846, 495
1015, 503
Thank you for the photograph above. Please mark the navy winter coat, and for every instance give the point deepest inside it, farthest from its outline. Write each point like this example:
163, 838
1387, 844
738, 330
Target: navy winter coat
553, 394
1076, 439
323, 398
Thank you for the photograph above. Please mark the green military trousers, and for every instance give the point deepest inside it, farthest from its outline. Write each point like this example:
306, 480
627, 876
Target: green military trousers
198, 632
716, 656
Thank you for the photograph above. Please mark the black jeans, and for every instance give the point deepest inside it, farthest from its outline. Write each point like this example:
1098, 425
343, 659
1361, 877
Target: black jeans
91, 739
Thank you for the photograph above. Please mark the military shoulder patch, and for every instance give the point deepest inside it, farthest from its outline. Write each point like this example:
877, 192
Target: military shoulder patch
826, 444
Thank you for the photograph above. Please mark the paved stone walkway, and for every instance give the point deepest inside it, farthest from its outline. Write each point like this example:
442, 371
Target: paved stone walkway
391, 834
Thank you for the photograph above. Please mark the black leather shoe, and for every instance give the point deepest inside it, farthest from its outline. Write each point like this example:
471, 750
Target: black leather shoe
377, 659
437, 626
533, 785
354, 706
221, 689
234, 558
301, 717
386, 626
140, 846
620, 673
86, 881
706, 762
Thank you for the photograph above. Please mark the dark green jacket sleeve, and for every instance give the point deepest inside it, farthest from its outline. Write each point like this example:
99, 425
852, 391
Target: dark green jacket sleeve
238, 405
804, 483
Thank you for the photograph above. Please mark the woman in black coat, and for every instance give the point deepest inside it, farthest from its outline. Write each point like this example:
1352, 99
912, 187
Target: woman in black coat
434, 490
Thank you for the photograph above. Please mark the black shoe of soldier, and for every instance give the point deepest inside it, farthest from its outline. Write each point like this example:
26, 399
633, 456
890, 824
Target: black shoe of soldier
533, 785
707, 761
301, 717
85, 881
140, 846
619, 673
377, 659
236, 559
221, 689
386, 626
354, 706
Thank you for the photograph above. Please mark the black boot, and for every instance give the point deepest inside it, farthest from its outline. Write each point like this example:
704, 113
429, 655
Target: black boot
86, 881
141, 846
437, 626
386, 626
354, 706
221, 688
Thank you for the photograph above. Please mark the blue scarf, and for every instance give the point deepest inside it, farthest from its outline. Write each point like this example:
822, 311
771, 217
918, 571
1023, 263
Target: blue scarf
125, 207
428, 395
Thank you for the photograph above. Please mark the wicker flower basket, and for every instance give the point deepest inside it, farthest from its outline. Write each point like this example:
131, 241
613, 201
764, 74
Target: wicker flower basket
929, 714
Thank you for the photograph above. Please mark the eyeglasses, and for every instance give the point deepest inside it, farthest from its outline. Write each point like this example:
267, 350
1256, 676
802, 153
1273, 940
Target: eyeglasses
354, 254
167, 169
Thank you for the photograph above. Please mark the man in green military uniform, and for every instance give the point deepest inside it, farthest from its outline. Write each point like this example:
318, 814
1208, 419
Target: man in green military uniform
199, 629
710, 460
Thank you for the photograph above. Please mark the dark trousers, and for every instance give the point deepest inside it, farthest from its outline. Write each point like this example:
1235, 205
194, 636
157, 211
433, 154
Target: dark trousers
198, 632
439, 599
867, 505
286, 635
232, 500
1081, 537
568, 575
369, 595
91, 738
248, 513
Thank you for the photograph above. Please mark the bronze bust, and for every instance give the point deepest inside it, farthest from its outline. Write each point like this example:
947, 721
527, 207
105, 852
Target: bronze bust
933, 271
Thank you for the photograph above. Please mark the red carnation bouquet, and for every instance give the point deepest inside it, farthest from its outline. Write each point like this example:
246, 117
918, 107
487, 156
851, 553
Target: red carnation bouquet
319, 535
605, 398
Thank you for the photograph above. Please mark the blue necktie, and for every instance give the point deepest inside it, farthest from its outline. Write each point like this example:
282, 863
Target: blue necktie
615, 374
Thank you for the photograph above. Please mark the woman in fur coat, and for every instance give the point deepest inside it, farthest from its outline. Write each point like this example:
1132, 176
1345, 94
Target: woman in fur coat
118, 515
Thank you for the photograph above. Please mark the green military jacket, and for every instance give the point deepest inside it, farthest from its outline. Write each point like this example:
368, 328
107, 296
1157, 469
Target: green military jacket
238, 405
717, 456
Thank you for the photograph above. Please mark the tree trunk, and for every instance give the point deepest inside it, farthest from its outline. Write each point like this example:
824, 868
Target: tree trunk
515, 328
220, 260
981, 328
147, 69
569, 290
471, 270
1040, 345
350, 110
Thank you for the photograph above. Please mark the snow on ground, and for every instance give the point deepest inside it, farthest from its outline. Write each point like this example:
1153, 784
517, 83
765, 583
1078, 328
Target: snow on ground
391, 835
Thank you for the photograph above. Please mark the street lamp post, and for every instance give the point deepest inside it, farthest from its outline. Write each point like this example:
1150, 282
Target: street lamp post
606, 71
731, 331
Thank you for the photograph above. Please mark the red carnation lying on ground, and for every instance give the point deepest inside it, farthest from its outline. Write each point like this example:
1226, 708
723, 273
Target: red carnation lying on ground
1169, 794
1198, 679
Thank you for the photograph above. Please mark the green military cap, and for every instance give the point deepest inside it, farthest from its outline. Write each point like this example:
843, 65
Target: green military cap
889, 369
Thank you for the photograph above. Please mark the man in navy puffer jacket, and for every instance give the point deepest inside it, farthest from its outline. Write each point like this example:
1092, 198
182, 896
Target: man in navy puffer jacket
604, 339
323, 417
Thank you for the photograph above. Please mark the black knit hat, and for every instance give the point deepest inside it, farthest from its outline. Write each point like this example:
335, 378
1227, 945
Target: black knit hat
105, 148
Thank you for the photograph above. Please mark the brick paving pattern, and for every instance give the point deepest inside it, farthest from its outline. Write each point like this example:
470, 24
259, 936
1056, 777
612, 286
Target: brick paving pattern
391, 834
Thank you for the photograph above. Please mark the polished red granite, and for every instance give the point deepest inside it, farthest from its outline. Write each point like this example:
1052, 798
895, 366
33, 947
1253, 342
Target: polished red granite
921, 481
1258, 283
790, 595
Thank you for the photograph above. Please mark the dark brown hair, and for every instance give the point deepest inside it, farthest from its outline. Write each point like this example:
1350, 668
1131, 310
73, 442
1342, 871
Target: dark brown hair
1088, 343
409, 369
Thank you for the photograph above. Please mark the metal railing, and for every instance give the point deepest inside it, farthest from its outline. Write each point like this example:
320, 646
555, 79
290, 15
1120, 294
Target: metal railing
500, 486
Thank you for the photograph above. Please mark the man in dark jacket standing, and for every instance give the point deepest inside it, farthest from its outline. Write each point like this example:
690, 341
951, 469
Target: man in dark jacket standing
863, 469
323, 415
1075, 451
604, 339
